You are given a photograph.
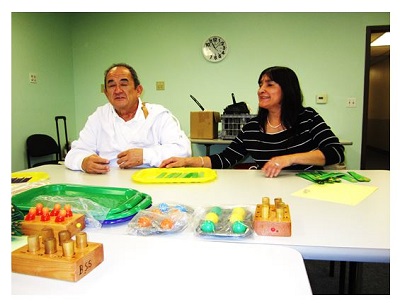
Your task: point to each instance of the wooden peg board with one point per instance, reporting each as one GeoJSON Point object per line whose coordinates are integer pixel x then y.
{"type": "Point", "coordinates": [272, 224]}
{"type": "Point", "coordinates": [73, 224]}
{"type": "Point", "coordinates": [56, 265]}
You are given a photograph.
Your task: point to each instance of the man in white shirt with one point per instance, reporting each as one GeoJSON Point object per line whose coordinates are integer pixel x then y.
{"type": "Point", "coordinates": [126, 132]}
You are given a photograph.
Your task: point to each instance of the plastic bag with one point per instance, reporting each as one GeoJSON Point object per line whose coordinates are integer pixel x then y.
{"type": "Point", "coordinates": [218, 221]}
{"type": "Point", "coordinates": [162, 219]}
{"type": "Point", "coordinates": [94, 213]}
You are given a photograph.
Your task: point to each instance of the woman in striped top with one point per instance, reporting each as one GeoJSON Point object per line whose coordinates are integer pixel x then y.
{"type": "Point", "coordinates": [283, 135]}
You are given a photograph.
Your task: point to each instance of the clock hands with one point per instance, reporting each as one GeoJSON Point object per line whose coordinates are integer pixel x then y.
{"type": "Point", "coordinates": [214, 46]}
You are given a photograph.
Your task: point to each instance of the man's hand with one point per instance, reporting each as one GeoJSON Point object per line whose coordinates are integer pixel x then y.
{"type": "Point", "coordinates": [95, 164]}
{"type": "Point", "coordinates": [130, 158]}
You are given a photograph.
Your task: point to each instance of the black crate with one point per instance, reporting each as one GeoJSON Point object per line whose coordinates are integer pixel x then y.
{"type": "Point", "coordinates": [232, 123]}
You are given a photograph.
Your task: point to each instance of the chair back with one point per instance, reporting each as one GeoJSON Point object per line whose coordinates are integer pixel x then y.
{"type": "Point", "coordinates": [42, 145]}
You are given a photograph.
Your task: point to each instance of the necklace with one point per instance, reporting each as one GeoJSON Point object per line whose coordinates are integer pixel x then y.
{"type": "Point", "coordinates": [269, 124]}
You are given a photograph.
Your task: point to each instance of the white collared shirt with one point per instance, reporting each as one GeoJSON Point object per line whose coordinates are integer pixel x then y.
{"type": "Point", "coordinates": [106, 134]}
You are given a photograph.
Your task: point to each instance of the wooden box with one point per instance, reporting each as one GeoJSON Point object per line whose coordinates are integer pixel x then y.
{"type": "Point", "coordinates": [73, 224]}
{"type": "Point", "coordinates": [204, 124]}
{"type": "Point", "coordinates": [58, 264]}
{"type": "Point", "coordinates": [272, 219]}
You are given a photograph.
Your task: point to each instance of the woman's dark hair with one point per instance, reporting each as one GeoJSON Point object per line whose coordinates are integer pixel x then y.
{"type": "Point", "coordinates": [131, 70]}
{"type": "Point", "coordinates": [292, 96]}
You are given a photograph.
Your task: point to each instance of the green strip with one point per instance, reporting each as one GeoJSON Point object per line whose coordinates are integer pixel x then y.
{"type": "Point", "coordinates": [359, 177]}
{"type": "Point", "coordinates": [161, 175]}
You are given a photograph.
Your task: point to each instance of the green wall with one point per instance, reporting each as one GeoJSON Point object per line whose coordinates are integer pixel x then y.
{"type": "Point", "coordinates": [41, 44]}
{"type": "Point", "coordinates": [70, 51]}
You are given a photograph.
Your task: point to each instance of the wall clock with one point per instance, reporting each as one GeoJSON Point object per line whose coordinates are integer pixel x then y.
{"type": "Point", "coordinates": [215, 49]}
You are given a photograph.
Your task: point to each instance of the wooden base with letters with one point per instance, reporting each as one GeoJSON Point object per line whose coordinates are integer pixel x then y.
{"type": "Point", "coordinates": [44, 257]}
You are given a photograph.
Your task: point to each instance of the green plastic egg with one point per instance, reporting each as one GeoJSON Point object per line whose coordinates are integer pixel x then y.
{"type": "Point", "coordinates": [239, 227]}
{"type": "Point", "coordinates": [207, 226]}
{"type": "Point", "coordinates": [217, 210]}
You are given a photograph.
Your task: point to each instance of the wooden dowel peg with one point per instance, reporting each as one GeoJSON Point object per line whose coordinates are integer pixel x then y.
{"type": "Point", "coordinates": [63, 235]}
{"type": "Point", "coordinates": [33, 243]}
{"type": "Point", "coordinates": [47, 232]}
{"type": "Point", "coordinates": [68, 248]}
{"type": "Point", "coordinates": [265, 200]}
{"type": "Point", "coordinates": [50, 246]}
{"type": "Point", "coordinates": [264, 211]}
{"type": "Point", "coordinates": [81, 240]}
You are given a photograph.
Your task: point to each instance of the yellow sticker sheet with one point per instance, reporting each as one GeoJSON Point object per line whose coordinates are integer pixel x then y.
{"type": "Point", "coordinates": [21, 177]}
{"type": "Point", "coordinates": [175, 175]}
{"type": "Point", "coordinates": [343, 193]}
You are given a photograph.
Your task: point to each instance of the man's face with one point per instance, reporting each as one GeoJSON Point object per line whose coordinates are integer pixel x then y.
{"type": "Point", "coordinates": [120, 88]}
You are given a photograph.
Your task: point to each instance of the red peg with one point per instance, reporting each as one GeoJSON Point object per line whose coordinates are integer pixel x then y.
{"type": "Point", "coordinates": [68, 210]}
{"type": "Point", "coordinates": [56, 210]}
{"type": "Point", "coordinates": [39, 208]}
{"type": "Point", "coordinates": [31, 215]}
{"type": "Point", "coordinates": [61, 216]}
{"type": "Point", "coordinates": [45, 215]}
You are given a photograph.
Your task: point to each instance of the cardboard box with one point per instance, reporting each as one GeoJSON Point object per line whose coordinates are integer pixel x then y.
{"type": "Point", "coordinates": [204, 124]}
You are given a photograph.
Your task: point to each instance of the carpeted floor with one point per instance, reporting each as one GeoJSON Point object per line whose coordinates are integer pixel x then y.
{"type": "Point", "coordinates": [375, 278]}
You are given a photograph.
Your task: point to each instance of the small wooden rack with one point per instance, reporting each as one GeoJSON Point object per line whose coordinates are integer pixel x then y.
{"type": "Point", "coordinates": [272, 219]}
{"type": "Point", "coordinates": [73, 224]}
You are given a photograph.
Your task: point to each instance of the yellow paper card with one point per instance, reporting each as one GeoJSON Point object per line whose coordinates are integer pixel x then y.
{"type": "Point", "coordinates": [343, 193]}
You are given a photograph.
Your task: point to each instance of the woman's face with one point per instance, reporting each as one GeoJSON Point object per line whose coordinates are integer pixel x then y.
{"type": "Point", "coordinates": [269, 94]}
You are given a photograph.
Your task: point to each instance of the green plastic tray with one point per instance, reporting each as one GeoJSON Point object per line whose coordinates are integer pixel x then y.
{"type": "Point", "coordinates": [122, 202]}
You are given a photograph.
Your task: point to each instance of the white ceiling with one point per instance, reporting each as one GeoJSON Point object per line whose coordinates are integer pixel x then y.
{"type": "Point", "coordinates": [378, 51]}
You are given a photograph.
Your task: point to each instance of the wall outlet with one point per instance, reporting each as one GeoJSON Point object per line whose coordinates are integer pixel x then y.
{"type": "Point", "coordinates": [321, 98]}
{"type": "Point", "coordinates": [351, 103]}
{"type": "Point", "coordinates": [32, 78]}
{"type": "Point", "coordinates": [160, 86]}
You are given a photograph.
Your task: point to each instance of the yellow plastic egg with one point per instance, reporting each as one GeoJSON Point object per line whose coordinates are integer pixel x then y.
{"type": "Point", "coordinates": [235, 217]}
{"type": "Point", "coordinates": [212, 216]}
{"type": "Point", "coordinates": [239, 210]}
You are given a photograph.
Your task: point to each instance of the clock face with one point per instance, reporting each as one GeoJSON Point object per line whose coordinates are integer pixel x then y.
{"type": "Point", "coordinates": [215, 49]}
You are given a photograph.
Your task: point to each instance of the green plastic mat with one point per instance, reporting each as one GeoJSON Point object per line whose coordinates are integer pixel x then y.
{"type": "Point", "coordinates": [322, 177]}
{"type": "Point", "coordinates": [118, 202]}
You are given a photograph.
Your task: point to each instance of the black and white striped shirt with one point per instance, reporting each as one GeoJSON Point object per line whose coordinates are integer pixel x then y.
{"type": "Point", "coordinates": [312, 134]}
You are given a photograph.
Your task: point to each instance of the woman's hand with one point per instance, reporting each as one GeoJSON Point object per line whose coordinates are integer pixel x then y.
{"type": "Point", "coordinates": [274, 166]}
{"type": "Point", "coordinates": [173, 162]}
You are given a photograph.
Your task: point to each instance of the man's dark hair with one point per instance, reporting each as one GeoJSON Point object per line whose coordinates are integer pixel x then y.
{"type": "Point", "coordinates": [131, 70]}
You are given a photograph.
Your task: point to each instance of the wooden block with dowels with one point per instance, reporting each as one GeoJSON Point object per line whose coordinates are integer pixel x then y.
{"type": "Point", "coordinates": [58, 219]}
{"type": "Point", "coordinates": [272, 219]}
{"type": "Point", "coordinates": [69, 260]}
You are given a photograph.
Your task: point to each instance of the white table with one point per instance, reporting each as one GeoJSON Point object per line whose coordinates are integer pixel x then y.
{"type": "Point", "coordinates": [321, 230]}
{"type": "Point", "coordinates": [160, 270]}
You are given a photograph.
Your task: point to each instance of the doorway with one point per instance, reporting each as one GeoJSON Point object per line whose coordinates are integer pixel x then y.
{"type": "Point", "coordinates": [375, 145]}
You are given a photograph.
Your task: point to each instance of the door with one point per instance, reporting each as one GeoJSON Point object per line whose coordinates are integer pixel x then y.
{"type": "Point", "coordinates": [375, 147]}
